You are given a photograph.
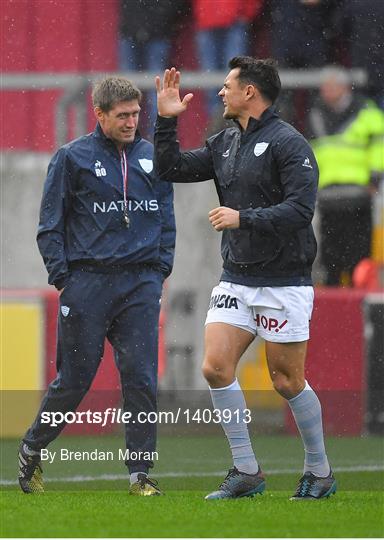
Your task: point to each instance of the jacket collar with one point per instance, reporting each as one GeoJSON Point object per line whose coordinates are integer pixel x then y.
{"type": "Point", "coordinates": [108, 143]}
{"type": "Point", "coordinates": [256, 123]}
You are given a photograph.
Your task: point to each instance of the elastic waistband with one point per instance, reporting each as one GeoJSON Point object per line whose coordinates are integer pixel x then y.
{"type": "Point", "coordinates": [100, 268]}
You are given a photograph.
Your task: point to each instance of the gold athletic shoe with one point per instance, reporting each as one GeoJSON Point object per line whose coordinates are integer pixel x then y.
{"type": "Point", "coordinates": [30, 472]}
{"type": "Point", "coordinates": [144, 487]}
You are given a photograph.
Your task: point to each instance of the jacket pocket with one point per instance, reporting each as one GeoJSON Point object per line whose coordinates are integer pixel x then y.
{"type": "Point", "coordinates": [69, 284]}
{"type": "Point", "coordinates": [249, 247]}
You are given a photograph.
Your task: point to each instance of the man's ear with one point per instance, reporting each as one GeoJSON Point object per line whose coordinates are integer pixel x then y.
{"type": "Point", "coordinates": [98, 113]}
{"type": "Point", "coordinates": [251, 91]}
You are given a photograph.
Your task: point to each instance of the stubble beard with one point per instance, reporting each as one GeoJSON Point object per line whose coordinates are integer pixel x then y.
{"type": "Point", "coordinates": [227, 115]}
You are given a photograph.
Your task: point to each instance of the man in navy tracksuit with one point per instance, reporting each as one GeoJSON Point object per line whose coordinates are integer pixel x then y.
{"type": "Point", "coordinates": [107, 237]}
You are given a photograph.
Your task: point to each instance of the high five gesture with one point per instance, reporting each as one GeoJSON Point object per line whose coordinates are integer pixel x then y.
{"type": "Point", "coordinates": [168, 94]}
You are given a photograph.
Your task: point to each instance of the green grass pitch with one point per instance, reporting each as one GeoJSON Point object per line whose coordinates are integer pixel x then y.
{"type": "Point", "coordinates": [90, 499]}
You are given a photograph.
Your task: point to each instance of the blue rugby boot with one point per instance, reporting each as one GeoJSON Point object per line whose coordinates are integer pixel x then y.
{"type": "Point", "coordinates": [238, 484]}
{"type": "Point", "coordinates": [311, 487]}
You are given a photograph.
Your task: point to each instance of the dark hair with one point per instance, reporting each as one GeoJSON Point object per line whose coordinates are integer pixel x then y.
{"type": "Point", "coordinates": [107, 92]}
{"type": "Point", "coordinates": [261, 73]}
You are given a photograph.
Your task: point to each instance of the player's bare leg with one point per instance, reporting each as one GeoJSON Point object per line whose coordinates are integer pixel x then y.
{"type": "Point", "coordinates": [286, 366]}
{"type": "Point", "coordinates": [224, 346]}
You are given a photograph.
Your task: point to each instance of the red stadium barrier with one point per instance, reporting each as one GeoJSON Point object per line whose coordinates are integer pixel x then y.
{"type": "Point", "coordinates": [335, 365]}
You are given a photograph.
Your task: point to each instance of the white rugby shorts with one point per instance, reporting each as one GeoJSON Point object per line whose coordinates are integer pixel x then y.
{"type": "Point", "coordinates": [278, 314]}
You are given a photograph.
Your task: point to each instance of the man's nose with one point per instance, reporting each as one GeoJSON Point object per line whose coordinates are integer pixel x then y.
{"type": "Point", "coordinates": [221, 93]}
{"type": "Point", "coordinates": [131, 122]}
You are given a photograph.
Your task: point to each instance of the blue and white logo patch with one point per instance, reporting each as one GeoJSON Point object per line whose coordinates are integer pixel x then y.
{"type": "Point", "coordinates": [260, 148]}
{"type": "Point", "coordinates": [65, 310]}
{"type": "Point", "coordinates": [146, 165]}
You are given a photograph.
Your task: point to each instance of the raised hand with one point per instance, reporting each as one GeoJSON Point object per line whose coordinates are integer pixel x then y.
{"type": "Point", "coordinates": [168, 94]}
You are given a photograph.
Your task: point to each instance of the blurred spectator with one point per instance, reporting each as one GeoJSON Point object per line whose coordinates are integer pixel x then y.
{"type": "Point", "coordinates": [146, 31]}
{"type": "Point", "coordinates": [364, 27]}
{"type": "Point", "coordinates": [302, 31]}
{"type": "Point", "coordinates": [349, 151]}
{"type": "Point", "coordinates": [222, 28]}
{"type": "Point", "coordinates": [335, 105]}
{"type": "Point", "coordinates": [303, 36]}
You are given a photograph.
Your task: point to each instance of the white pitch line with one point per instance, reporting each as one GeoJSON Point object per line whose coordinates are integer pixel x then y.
{"type": "Point", "coordinates": [110, 477]}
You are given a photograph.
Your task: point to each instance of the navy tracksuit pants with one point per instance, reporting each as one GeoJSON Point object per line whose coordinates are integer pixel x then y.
{"type": "Point", "coordinates": [124, 307]}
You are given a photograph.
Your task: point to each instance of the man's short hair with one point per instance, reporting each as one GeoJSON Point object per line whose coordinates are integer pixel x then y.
{"type": "Point", "coordinates": [261, 73]}
{"type": "Point", "coordinates": [111, 90]}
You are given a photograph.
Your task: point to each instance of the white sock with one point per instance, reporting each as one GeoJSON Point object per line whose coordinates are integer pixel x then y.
{"type": "Point", "coordinates": [133, 477]}
{"type": "Point", "coordinates": [231, 397]}
{"type": "Point", "coordinates": [306, 410]}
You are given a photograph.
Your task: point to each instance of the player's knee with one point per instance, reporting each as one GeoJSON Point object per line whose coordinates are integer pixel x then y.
{"type": "Point", "coordinates": [282, 385]}
{"type": "Point", "coordinates": [215, 374]}
{"type": "Point", "coordinates": [288, 387]}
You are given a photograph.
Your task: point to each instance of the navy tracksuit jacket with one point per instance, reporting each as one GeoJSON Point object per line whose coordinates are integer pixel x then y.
{"type": "Point", "coordinates": [269, 173]}
{"type": "Point", "coordinates": [112, 276]}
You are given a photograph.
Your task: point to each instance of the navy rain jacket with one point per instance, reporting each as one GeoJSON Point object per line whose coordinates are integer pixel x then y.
{"type": "Point", "coordinates": [269, 173]}
{"type": "Point", "coordinates": [81, 215]}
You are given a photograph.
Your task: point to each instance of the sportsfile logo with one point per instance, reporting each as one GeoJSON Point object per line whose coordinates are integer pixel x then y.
{"type": "Point", "coordinates": [223, 301]}
{"type": "Point", "coordinates": [99, 169]}
{"type": "Point", "coordinates": [269, 323]}
{"type": "Point", "coordinates": [133, 206]}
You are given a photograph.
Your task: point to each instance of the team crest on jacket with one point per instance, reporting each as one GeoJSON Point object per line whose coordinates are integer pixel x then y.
{"type": "Point", "coordinates": [260, 148]}
{"type": "Point", "coordinates": [146, 164]}
{"type": "Point", "coordinates": [65, 310]}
